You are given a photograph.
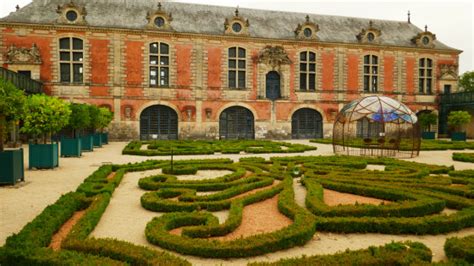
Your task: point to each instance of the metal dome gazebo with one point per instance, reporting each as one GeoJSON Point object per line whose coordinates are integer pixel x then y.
{"type": "Point", "coordinates": [376, 126]}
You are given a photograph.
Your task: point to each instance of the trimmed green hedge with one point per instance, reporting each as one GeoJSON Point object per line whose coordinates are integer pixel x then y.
{"type": "Point", "coordinates": [463, 157]}
{"type": "Point", "coordinates": [192, 147]}
{"type": "Point", "coordinates": [396, 253]}
{"type": "Point", "coordinates": [460, 248]}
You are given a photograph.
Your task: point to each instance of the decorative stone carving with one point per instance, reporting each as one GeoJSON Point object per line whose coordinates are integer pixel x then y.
{"type": "Point", "coordinates": [71, 13]}
{"type": "Point", "coordinates": [448, 72]}
{"type": "Point", "coordinates": [369, 35]}
{"type": "Point", "coordinates": [307, 30]}
{"type": "Point", "coordinates": [273, 56]}
{"type": "Point", "coordinates": [424, 39]}
{"type": "Point", "coordinates": [236, 25]}
{"type": "Point", "coordinates": [159, 19]}
{"type": "Point", "coordinates": [26, 56]}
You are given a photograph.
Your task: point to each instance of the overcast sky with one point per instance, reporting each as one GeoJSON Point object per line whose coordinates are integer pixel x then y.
{"type": "Point", "coordinates": [451, 21]}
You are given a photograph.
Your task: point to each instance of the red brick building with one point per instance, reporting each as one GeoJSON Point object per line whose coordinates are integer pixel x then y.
{"type": "Point", "coordinates": [177, 70]}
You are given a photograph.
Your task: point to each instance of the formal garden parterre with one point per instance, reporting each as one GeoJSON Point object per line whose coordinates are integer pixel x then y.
{"type": "Point", "coordinates": [417, 195]}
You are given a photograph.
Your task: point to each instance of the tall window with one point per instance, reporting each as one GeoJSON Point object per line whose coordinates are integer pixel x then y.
{"type": "Point", "coordinates": [307, 71]}
{"type": "Point", "coordinates": [237, 66]}
{"type": "Point", "coordinates": [71, 60]}
{"type": "Point", "coordinates": [371, 73]}
{"type": "Point", "coordinates": [159, 64]}
{"type": "Point", "coordinates": [425, 75]}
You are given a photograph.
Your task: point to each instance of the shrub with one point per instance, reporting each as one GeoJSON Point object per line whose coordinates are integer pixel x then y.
{"type": "Point", "coordinates": [463, 157]}
{"type": "Point", "coordinates": [460, 248]}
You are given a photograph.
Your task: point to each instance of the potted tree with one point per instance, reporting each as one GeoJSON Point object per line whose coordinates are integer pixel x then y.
{"type": "Point", "coordinates": [426, 121]}
{"type": "Point", "coordinates": [457, 119]}
{"type": "Point", "coordinates": [12, 101]}
{"type": "Point", "coordinates": [95, 114]}
{"type": "Point", "coordinates": [43, 117]}
{"type": "Point", "coordinates": [106, 116]}
{"type": "Point", "coordinates": [78, 121]}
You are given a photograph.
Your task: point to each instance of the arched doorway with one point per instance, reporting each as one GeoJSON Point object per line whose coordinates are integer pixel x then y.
{"type": "Point", "coordinates": [158, 122]}
{"type": "Point", "coordinates": [306, 123]}
{"type": "Point", "coordinates": [236, 123]}
{"type": "Point", "coordinates": [273, 85]}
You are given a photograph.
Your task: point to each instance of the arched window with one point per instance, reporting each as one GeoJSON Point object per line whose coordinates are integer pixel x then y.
{"type": "Point", "coordinates": [71, 60]}
{"type": "Point", "coordinates": [425, 76]}
{"type": "Point", "coordinates": [159, 64]}
{"type": "Point", "coordinates": [307, 71]}
{"type": "Point", "coordinates": [237, 67]}
{"type": "Point", "coordinates": [371, 73]}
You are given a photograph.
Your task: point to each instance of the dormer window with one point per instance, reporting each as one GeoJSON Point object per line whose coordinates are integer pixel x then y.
{"type": "Point", "coordinates": [159, 19]}
{"type": "Point", "coordinates": [369, 35]}
{"type": "Point", "coordinates": [306, 30]}
{"type": "Point", "coordinates": [236, 25]}
{"type": "Point", "coordinates": [160, 22]}
{"type": "Point", "coordinates": [71, 15]}
{"type": "Point", "coordinates": [424, 39]}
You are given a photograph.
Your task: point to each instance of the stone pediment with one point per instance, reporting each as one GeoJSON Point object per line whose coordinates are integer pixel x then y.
{"type": "Point", "coordinates": [448, 72]}
{"type": "Point", "coordinates": [20, 55]}
{"type": "Point", "coordinates": [273, 56]}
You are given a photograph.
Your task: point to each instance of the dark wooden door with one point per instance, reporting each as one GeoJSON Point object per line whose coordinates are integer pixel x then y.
{"type": "Point", "coordinates": [158, 122]}
{"type": "Point", "coordinates": [273, 86]}
{"type": "Point", "coordinates": [306, 124]}
{"type": "Point", "coordinates": [236, 123]}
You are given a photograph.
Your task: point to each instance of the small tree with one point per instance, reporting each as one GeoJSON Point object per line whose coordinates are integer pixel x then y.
{"type": "Point", "coordinates": [44, 116]}
{"type": "Point", "coordinates": [427, 120]}
{"type": "Point", "coordinates": [457, 119]}
{"type": "Point", "coordinates": [105, 117]}
{"type": "Point", "coordinates": [12, 101]}
{"type": "Point", "coordinates": [466, 81]}
{"type": "Point", "coordinates": [94, 113]}
{"type": "Point", "coordinates": [80, 117]}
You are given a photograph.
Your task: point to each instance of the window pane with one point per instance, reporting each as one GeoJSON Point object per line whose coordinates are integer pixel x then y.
{"type": "Point", "coordinates": [366, 59]}
{"type": "Point", "coordinates": [153, 60]}
{"type": "Point", "coordinates": [366, 83]}
{"type": "Point", "coordinates": [164, 76]}
{"type": "Point", "coordinates": [154, 48]}
{"type": "Point", "coordinates": [429, 63]}
{"type": "Point", "coordinates": [374, 59]}
{"type": "Point", "coordinates": [76, 44]}
{"type": "Point", "coordinates": [64, 43]}
{"type": "Point", "coordinates": [422, 62]}
{"type": "Point", "coordinates": [241, 79]}
{"type": "Point", "coordinates": [242, 64]}
{"type": "Point", "coordinates": [312, 67]}
{"type": "Point", "coordinates": [375, 70]}
{"type": "Point", "coordinates": [65, 73]}
{"type": "Point", "coordinates": [421, 87]}
{"type": "Point", "coordinates": [232, 63]}
{"type": "Point", "coordinates": [302, 81]}
{"type": "Point", "coordinates": [64, 56]}
{"type": "Point", "coordinates": [232, 79]}
{"type": "Point", "coordinates": [303, 67]}
{"type": "Point", "coordinates": [374, 84]}
{"type": "Point", "coordinates": [153, 71]}
{"type": "Point", "coordinates": [232, 52]}
{"type": "Point", "coordinates": [312, 82]}
{"type": "Point", "coordinates": [164, 60]}
{"type": "Point", "coordinates": [429, 73]}
{"type": "Point", "coordinates": [77, 68]}
{"type": "Point", "coordinates": [241, 52]}
{"type": "Point", "coordinates": [303, 56]}
{"type": "Point", "coordinates": [77, 57]}
{"type": "Point", "coordinates": [312, 56]}
{"type": "Point", "coordinates": [428, 85]}
{"type": "Point", "coordinates": [366, 69]}
{"type": "Point", "coordinates": [421, 72]}
{"type": "Point", "coordinates": [164, 48]}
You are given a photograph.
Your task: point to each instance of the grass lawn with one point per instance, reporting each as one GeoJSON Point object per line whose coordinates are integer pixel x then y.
{"type": "Point", "coordinates": [188, 147]}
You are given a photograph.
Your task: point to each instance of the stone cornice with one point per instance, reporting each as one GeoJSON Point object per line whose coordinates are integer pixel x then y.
{"type": "Point", "coordinates": [311, 43]}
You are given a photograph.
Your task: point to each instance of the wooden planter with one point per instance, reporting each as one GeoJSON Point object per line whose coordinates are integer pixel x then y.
{"type": "Point", "coordinates": [97, 139]}
{"type": "Point", "coordinates": [428, 135]}
{"type": "Point", "coordinates": [71, 147]}
{"type": "Point", "coordinates": [458, 136]}
{"type": "Point", "coordinates": [87, 143]}
{"type": "Point", "coordinates": [12, 167]}
{"type": "Point", "coordinates": [105, 138]}
{"type": "Point", "coordinates": [43, 156]}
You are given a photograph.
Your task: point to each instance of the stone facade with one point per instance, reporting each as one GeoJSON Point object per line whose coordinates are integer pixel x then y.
{"type": "Point", "coordinates": [116, 74]}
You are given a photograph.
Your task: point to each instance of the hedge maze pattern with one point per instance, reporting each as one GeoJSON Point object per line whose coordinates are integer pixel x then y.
{"type": "Point", "coordinates": [417, 194]}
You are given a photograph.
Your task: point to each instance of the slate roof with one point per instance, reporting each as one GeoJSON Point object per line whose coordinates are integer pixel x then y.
{"type": "Point", "coordinates": [206, 19]}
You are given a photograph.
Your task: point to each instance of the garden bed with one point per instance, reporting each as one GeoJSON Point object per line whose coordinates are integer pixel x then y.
{"type": "Point", "coordinates": [190, 147]}
{"type": "Point", "coordinates": [463, 157]}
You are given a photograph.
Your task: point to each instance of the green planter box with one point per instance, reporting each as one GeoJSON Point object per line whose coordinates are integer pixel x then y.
{"type": "Point", "coordinates": [105, 138]}
{"type": "Point", "coordinates": [71, 147]}
{"type": "Point", "coordinates": [11, 167]}
{"type": "Point", "coordinates": [428, 135]}
{"type": "Point", "coordinates": [458, 136]}
{"type": "Point", "coordinates": [97, 139]}
{"type": "Point", "coordinates": [43, 156]}
{"type": "Point", "coordinates": [87, 143]}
